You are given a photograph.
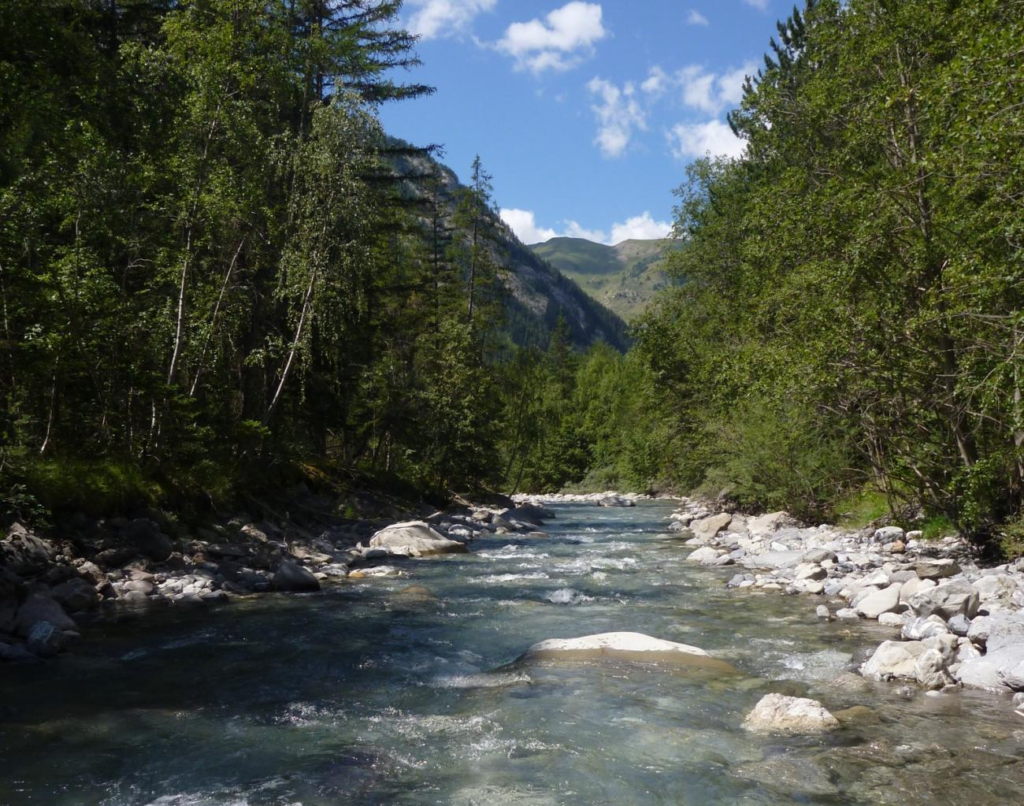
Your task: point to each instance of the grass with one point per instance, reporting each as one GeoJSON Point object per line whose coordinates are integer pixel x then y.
{"type": "Point", "coordinates": [862, 508]}
{"type": "Point", "coordinates": [937, 527]}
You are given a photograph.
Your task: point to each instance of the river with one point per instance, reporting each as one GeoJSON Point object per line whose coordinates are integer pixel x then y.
{"type": "Point", "coordinates": [373, 693]}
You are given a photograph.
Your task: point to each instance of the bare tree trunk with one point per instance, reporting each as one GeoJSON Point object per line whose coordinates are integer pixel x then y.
{"type": "Point", "coordinates": [294, 349]}
{"type": "Point", "coordinates": [213, 318]}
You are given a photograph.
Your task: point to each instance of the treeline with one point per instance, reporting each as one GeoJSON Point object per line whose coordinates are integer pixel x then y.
{"type": "Point", "coordinates": [851, 313]}
{"type": "Point", "coordinates": [214, 264]}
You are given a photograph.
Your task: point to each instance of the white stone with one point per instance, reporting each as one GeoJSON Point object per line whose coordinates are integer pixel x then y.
{"type": "Point", "coordinates": [629, 646]}
{"type": "Point", "coordinates": [776, 713]}
{"type": "Point", "coordinates": [894, 660]}
{"type": "Point", "coordinates": [414, 539]}
{"type": "Point", "coordinates": [883, 601]}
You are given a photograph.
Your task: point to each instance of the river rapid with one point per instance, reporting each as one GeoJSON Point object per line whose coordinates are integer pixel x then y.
{"type": "Point", "coordinates": [405, 691]}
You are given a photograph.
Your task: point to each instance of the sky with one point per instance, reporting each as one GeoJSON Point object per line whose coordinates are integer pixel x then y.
{"type": "Point", "coordinates": [584, 113]}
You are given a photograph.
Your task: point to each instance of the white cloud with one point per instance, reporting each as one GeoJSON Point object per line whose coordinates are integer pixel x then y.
{"type": "Point", "coordinates": [618, 115]}
{"type": "Point", "coordinates": [641, 227]}
{"type": "Point", "coordinates": [524, 225]}
{"type": "Point", "coordinates": [695, 140]}
{"type": "Point", "coordinates": [710, 92]}
{"type": "Point", "coordinates": [437, 19]}
{"type": "Point", "coordinates": [558, 42]}
{"type": "Point", "coordinates": [696, 18]}
{"type": "Point", "coordinates": [761, 4]}
{"type": "Point", "coordinates": [656, 83]}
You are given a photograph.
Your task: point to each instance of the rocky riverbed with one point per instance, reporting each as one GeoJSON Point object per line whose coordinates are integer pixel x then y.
{"type": "Point", "coordinates": [954, 623]}
{"type": "Point", "coordinates": [584, 659]}
{"type": "Point", "coordinates": [54, 585]}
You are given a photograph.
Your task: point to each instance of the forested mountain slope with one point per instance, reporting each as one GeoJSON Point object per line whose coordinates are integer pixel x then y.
{"type": "Point", "coordinates": [624, 277]}
{"type": "Point", "coordinates": [536, 293]}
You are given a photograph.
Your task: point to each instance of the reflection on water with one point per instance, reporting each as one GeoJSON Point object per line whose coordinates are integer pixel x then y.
{"type": "Point", "coordinates": [404, 691]}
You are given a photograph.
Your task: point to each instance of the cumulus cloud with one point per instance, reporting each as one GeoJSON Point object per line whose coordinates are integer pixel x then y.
{"type": "Point", "coordinates": [618, 114]}
{"type": "Point", "coordinates": [694, 140]}
{"type": "Point", "coordinates": [656, 83]}
{"type": "Point", "coordinates": [710, 92]}
{"type": "Point", "coordinates": [524, 225]}
{"type": "Point", "coordinates": [641, 227]}
{"type": "Point", "coordinates": [558, 42]}
{"type": "Point", "coordinates": [437, 19]}
{"type": "Point", "coordinates": [696, 18]}
{"type": "Point", "coordinates": [761, 4]}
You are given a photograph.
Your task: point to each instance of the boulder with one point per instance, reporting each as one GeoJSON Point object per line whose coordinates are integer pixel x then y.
{"type": "Point", "coordinates": [45, 640]}
{"type": "Point", "coordinates": [704, 556]}
{"type": "Point", "coordinates": [529, 513]}
{"type": "Point", "coordinates": [888, 534]}
{"type": "Point", "coordinates": [23, 552]}
{"type": "Point", "coordinates": [776, 713]}
{"type": "Point", "coordinates": [624, 646]}
{"type": "Point", "coordinates": [892, 620]}
{"type": "Point", "coordinates": [707, 528]}
{"type": "Point", "coordinates": [996, 669]}
{"type": "Point", "coordinates": [894, 660]}
{"type": "Point", "coordinates": [41, 608]}
{"type": "Point", "coordinates": [811, 571]}
{"type": "Point", "coordinates": [995, 587]}
{"type": "Point", "coordinates": [936, 569]}
{"type": "Point", "coordinates": [818, 556]}
{"type": "Point", "coordinates": [766, 524]}
{"type": "Point", "coordinates": [930, 670]}
{"type": "Point", "coordinates": [414, 539]}
{"type": "Point", "coordinates": [616, 501]}
{"type": "Point", "coordinates": [822, 612]}
{"type": "Point", "coordinates": [946, 600]}
{"type": "Point", "coordinates": [147, 538]}
{"type": "Point", "coordinates": [919, 629]}
{"type": "Point", "coordinates": [959, 625]}
{"type": "Point", "coordinates": [773, 560]}
{"type": "Point", "coordinates": [76, 595]}
{"type": "Point", "coordinates": [914, 585]}
{"type": "Point", "coordinates": [294, 578]}
{"type": "Point", "coordinates": [886, 600]}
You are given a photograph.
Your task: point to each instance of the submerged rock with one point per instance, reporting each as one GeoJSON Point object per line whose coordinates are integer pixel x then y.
{"type": "Point", "coordinates": [627, 646]}
{"type": "Point", "coordinates": [294, 578]}
{"type": "Point", "coordinates": [414, 539]}
{"type": "Point", "coordinates": [776, 713]}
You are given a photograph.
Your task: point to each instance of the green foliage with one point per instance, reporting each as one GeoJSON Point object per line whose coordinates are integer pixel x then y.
{"type": "Point", "coordinates": [862, 507]}
{"type": "Point", "coordinates": [861, 264]}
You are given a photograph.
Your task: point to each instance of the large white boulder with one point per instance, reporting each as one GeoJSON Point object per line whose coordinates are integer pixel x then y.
{"type": "Point", "coordinates": [706, 528]}
{"type": "Point", "coordinates": [886, 600]}
{"type": "Point", "coordinates": [414, 539]}
{"type": "Point", "coordinates": [776, 713]}
{"type": "Point", "coordinates": [946, 600]}
{"type": "Point", "coordinates": [894, 660]}
{"type": "Point", "coordinates": [704, 556]}
{"type": "Point", "coordinates": [628, 646]}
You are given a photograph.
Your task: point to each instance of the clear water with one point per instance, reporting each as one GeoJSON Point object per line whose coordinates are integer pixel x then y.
{"type": "Point", "coordinates": [367, 695]}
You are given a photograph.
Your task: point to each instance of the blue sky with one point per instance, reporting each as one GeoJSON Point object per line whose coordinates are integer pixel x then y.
{"type": "Point", "coordinates": [586, 113]}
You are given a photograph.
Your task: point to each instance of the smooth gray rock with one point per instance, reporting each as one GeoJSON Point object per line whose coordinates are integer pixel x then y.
{"type": "Point", "coordinates": [959, 625]}
{"type": "Point", "coordinates": [707, 528]}
{"type": "Point", "coordinates": [888, 534]}
{"type": "Point", "coordinates": [76, 595]}
{"type": "Point", "coordinates": [415, 539]}
{"type": "Point", "coordinates": [937, 569]}
{"type": "Point", "coordinates": [883, 601]}
{"type": "Point", "coordinates": [529, 513]}
{"type": "Point", "coordinates": [823, 613]}
{"type": "Point", "coordinates": [946, 600]}
{"type": "Point", "coordinates": [147, 538]}
{"type": "Point", "coordinates": [294, 578]}
{"type": "Point", "coordinates": [774, 560]}
{"type": "Point", "coordinates": [41, 608]}
{"type": "Point", "coordinates": [704, 556]}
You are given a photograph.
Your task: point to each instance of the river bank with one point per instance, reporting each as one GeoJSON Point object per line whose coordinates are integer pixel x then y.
{"type": "Point", "coordinates": [53, 585]}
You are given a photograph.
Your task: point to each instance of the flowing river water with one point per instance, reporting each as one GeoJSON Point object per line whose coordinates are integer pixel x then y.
{"type": "Point", "coordinates": [373, 693]}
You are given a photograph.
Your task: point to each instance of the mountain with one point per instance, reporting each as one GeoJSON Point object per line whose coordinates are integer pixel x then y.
{"type": "Point", "coordinates": [623, 278]}
{"type": "Point", "coordinates": [536, 292]}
